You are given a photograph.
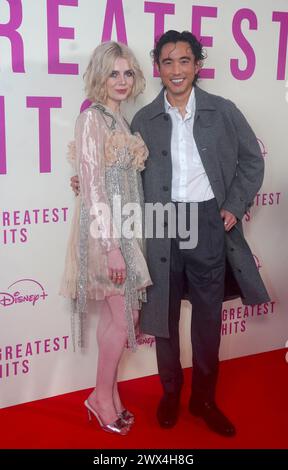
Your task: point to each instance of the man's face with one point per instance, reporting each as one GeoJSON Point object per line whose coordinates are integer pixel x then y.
{"type": "Point", "coordinates": [177, 68]}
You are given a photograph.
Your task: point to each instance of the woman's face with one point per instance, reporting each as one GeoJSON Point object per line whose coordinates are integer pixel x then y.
{"type": "Point", "coordinates": [119, 84]}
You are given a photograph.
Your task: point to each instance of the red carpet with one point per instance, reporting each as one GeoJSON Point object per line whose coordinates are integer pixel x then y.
{"type": "Point", "coordinates": [253, 392]}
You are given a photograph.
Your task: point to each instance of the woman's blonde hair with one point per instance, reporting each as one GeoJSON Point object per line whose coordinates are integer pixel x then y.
{"type": "Point", "coordinates": [101, 65]}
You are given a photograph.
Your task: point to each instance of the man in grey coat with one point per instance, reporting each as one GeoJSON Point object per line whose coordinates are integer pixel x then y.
{"type": "Point", "coordinates": [201, 151]}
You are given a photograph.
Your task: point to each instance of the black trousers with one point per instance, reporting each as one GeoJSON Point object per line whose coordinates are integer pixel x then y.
{"type": "Point", "coordinates": [200, 272]}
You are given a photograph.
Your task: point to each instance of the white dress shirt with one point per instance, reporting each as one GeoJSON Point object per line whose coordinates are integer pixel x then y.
{"type": "Point", "coordinates": [189, 180]}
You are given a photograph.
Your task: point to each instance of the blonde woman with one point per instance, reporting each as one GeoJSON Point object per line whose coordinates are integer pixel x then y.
{"type": "Point", "coordinates": [102, 263]}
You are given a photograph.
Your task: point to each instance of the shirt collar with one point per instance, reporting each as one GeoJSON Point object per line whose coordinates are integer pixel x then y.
{"type": "Point", "coordinates": [190, 107]}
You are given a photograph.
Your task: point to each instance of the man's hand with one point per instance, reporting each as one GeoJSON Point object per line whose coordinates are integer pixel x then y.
{"type": "Point", "coordinates": [229, 219]}
{"type": "Point", "coordinates": [74, 183]}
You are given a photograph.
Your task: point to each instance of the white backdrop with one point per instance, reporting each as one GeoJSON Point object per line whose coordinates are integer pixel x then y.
{"type": "Point", "coordinates": [44, 49]}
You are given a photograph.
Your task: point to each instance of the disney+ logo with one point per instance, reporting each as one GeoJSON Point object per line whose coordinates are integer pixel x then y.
{"type": "Point", "coordinates": [23, 291]}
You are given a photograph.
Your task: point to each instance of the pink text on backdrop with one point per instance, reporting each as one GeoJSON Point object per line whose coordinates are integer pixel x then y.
{"type": "Point", "coordinates": [244, 14]}
{"type": "Point", "coordinates": [2, 137]}
{"type": "Point", "coordinates": [160, 10]}
{"type": "Point", "coordinates": [54, 34]}
{"type": "Point", "coordinates": [198, 13]}
{"type": "Point", "coordinates": [282, 17]}
{"type": "Point", "coordinates": [115, 13]}
{"type": "Point", "coordinates": [44, 104]}
{"type": "Point", "coordinates": [114, 9]}
{"type": "Point", "coordinates": [9, 30]}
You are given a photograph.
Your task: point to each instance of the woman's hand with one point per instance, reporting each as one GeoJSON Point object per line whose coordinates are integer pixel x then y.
{"type": "Point", "coordinates": [116, 266]}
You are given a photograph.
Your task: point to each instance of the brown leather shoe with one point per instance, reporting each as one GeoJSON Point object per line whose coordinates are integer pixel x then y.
{"type": "Point", "coordinates": [168, 410]}
{"type": "Point", "coordinates": [213, 417]}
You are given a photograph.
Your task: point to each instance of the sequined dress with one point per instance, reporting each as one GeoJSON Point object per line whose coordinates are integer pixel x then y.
{"type": "Point", "coordinates": [108, 214]}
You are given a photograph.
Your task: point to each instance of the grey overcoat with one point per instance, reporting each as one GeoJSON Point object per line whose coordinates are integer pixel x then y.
{"type": "Point", "coordinates": [234, 165]}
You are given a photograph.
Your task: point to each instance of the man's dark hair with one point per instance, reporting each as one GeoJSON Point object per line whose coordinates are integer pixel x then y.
{"type": "Point", "coordinates": [176, 36]}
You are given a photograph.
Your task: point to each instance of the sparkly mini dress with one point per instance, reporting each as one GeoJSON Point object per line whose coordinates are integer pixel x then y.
{"type": "Point", "coordinates": [108, 214]}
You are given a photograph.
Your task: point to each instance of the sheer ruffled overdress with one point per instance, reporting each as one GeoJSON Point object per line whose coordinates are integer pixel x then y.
{"type": "Point", "coordinates": [108, 160]}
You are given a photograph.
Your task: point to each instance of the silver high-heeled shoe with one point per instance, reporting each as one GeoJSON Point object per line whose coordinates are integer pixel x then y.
{"type": "Point", "coordinates": [126, 416]}
{"type": "Point", "coordinates": [117, 427]}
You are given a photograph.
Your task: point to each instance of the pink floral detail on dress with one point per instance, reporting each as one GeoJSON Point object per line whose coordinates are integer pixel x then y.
{"type": "Point", "coordinates": [126, 148]}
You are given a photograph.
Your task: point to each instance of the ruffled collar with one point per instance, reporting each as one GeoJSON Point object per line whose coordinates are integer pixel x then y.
{"type": "Point", "coordinates": [126, 150]}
